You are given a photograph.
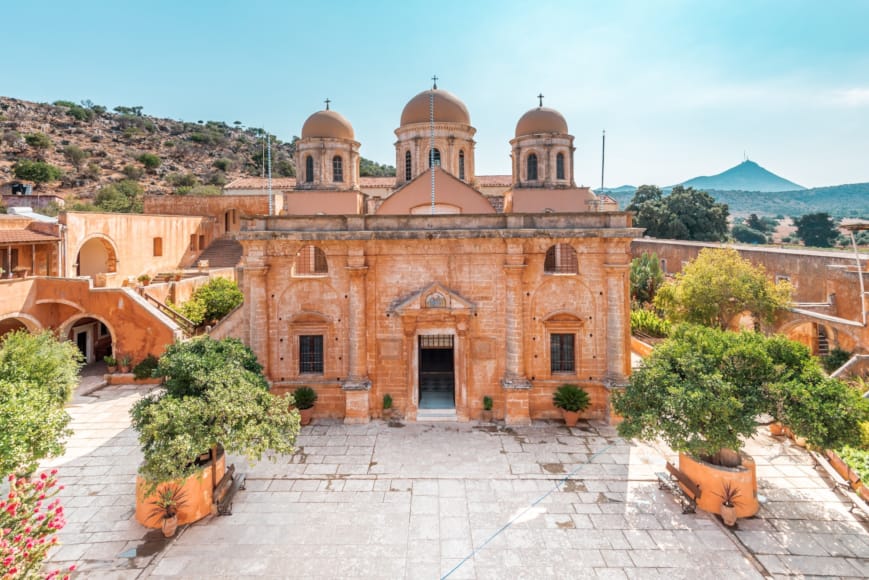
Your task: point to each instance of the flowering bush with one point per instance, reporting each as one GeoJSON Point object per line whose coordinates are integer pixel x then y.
{"type": "Point", "coordinates": [29, 517]}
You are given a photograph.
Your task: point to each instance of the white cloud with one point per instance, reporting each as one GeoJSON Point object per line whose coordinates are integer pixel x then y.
{"type": "Point", "coordinates": [855, 97]}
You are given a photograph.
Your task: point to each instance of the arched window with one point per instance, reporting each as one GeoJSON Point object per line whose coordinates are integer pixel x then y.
{"type": "Point", "coordinates": [462, 165]}
{"type": "Point", "coordinates": [559, 166]}
{"type": "Point", "coordinates": [310, 261]}
{"type": "Point", "coordinates": [532, 167]}
{"type": "Point", "coordinates": [309, 169]}
{"type": "Point", "coordinates": [337, 168]}
{"type": "Point", "coordinates": [435, 155]}
{"type": "Point", "coordinates": [561, 259]}
{"type": "Point", "coordinates": [407, 167]}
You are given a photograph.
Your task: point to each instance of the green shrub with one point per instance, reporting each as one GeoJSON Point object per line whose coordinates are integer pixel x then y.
{"type": "Point", "coordinates": [571, 398]}
{"type": "Point", "coordinates": [222, 164]}
{"type": "Point", "coordinates": [75, 155]}
{"type": "Point", "coordinates": [149, 160]}
{"type": "Point", "coordinates": [387, 401]}
{"type": "Point", "coordinates": [133, 172]}
{"type": "Point", "coordinates": [122, 197]}
{"type": "Point", "coordinates": [649, 323]}
{"type": "Point", "coordinates": [835, 359]}
{"type": "Point", "coordinates": [747, 235]}
{"type": "Point", "coordinates": [205, 190]}
{"type": "Point", "coordinates": [146, 368]}
{"type": "Point", "coordinates": [857, 459]}
{"type": "Point", "coordinates": [38, 140]}
{"type": "Point", "coordinates": [182, 179]}
{"type": "Point", "coordinates": [487, 403]}
{"type": "Point", "coordinates": [305, 397]}
{"type": "Point", "coordinates": [212, 301]}
{"type": "Point", "coordinates": [38, 171]}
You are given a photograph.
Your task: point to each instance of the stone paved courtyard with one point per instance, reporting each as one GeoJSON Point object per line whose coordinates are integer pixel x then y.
{"type": "Point", "coordinates": [451, 500]}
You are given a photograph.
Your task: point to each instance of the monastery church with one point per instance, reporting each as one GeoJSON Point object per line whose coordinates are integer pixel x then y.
{"type": "Point", "coordinates": [437, 294]}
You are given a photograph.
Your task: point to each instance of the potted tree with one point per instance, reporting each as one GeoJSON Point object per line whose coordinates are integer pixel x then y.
{"type": "Point", "coordinates": [214, 398]}
{"type": "Point", "coordinates": [305, 397]}
{"type": "Point", "coordinates": [144, 279]}
{"type": "Point", "coordinates": [387, 407]}
{"type": "Point", "coordinates": [111, 363]}
{"type": "Point", "coordinates": [702, 390]}
{"type": "Point", "coordinates": [167, 502]}
{"type": "Point", "coordinates": [486, 413]}
{"type": "Point", "coordinates": [572, 400]}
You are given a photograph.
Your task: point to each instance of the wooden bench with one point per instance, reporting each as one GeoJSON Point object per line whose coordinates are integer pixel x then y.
{"type": "Point", "coordinates": [688, 495]}
{"type": "Point", "coordinates": [226, 490]}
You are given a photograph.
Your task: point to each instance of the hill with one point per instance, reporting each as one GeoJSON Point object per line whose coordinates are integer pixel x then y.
{"type": "Point", "coordinates": [94, 147]}
{"type": "Point", "coordinates": [849, 200]}
{"type": "Point", "coordinates": [747, 176]}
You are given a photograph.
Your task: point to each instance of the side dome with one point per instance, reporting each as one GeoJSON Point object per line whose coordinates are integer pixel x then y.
{"type": "Point", "coordinates": [447, 109]}
{"type": "Point", "coordinates": [327, 124]}
{"type": "Point", "coordinates": [541, 120]}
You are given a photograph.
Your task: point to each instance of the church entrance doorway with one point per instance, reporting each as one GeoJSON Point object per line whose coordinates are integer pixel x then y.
{"type": "Point", "coordinates": [437, 372]}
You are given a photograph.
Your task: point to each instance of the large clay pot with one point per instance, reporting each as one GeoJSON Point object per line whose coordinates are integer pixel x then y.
{"type": "Point", "coordinates": [570, 417]}
{"type": "Point", "coordinates": [711, 479]}
{"type": "Point", "coordinates": [776, 429]}
{"type": "Point", "coordinates": [306, 415]}
{"type": "Point", "coordinates": [486, 416]}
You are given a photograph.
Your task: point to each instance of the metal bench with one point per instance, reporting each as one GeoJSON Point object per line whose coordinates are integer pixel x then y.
{"type": "Point", "coordinates": [687, 495]}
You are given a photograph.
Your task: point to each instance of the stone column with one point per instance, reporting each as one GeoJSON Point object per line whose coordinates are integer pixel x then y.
{"type": "Point", "coordinates": [516, 386]}
{"type": "Point", "coordinates": [617, 325]}
{"type": "Point", "coordinates": [357, 385]}
{"type": "Point", "coordinates": [258, 313]}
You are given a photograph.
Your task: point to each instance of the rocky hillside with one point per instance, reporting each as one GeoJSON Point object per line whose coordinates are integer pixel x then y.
{"type": "Point", "coordinates": [91, 148]}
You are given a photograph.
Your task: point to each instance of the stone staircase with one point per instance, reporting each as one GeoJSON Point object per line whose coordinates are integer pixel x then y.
{"type": "Point", "coordinates": [222, 253]}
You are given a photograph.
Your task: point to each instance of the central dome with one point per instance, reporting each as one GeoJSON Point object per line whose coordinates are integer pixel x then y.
{"type": "Point", "coordinates": [447, 109]}
{"type": "Point", "coordinates": [541, 120]}
{"type": "Point", "coordinates": [327, 124]}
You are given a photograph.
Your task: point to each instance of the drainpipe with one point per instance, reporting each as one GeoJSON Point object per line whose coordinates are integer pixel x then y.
{"type": "Point", "coordinates": [859, 277]}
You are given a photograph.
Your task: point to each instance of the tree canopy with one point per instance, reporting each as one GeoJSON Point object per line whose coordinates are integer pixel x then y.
{"type": "Point", "coordinates": [646, 277]}
{"type": "Point", "coordinates": [215, 395]}
{"type": "Point", "coordinates": [37, 375]}
{"type": "Point", "coordinates": [702, 389]}
{"type": "Point", "coordinates": [716, 286]}
{"type": "Point", "coordinates": [816, 229]}
{"type": "Point", "coordinates": [122, 197]}
{"type": "Point", "coordinates": [38, 171]}
{"type": "Point", "coordinates": [684, 214]}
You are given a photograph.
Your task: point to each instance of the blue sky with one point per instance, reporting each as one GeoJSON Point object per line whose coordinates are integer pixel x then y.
{"type": "Point", "coordinates": [681, 88]}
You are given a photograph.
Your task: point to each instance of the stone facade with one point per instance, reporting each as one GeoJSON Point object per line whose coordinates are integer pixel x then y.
{"type": "Point", "coordinates": [479, 280]}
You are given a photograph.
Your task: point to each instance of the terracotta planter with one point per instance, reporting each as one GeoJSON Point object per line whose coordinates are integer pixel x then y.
{"type": "Point", "coordinates": [198, 490]}
{"type": "Point", "coordinates": [800, 441]}
{"type": "Point", "coordinates": [776, 429]}
{"type": "Point", "coordinates": [728, 514]}
{"type": "Point", "coordinates": [306, 415]}
{"type": "Point", "coordinates": [386, 414]}
{"type": "Point", "coordinates": [711, 479]}
{"type": "Point", "coordinates": [863, 491]}
{"type": "Point", "coordinates": [486, 416]}
{"type": "Point", "coordinates": [112, 370]}
{"type": "Point", "coordinates": [570, 417]}
{"type": "Point", "coordinates": [169, 525]}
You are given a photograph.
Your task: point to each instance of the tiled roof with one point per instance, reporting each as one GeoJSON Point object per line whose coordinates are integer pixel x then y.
{"type": "Point", "coordinates": [494, 180]}
{"type": "Point", "coordinates": [24, 237]}
{"type": "Point", "coordinates": [290, 182]}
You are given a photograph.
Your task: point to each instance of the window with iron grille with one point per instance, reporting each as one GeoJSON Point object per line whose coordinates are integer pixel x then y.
{"type": "Point", "coordinates": [562, 358]}
{"type": "Point", "coordinates": [309, 169]}
{"type": "Point", "coordinates": [462, 165]}
{"type": "Point", "coordinates": [561, 259]}
{"type": "Point", "coordinates": [559, 166]}
{"type": "Point", "coordinates": [310, 261]}
{"type": "Point", "coordinates": [434, 156]}
{"type": "Point", "coordinates": [532, 167]}
{"type": "Point", "coordinates": [337, 168]}
{"type": "Point", "coordinates": [408, 174]}
{"type": "Point", "coordinates": [311, 353]}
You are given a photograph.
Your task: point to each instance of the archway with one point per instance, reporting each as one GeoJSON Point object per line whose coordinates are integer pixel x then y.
{"type": "Point", "coordinates": [92, 336]}
{"type": "Point", "coordinates": [18, 321]}
{"type": "Point", "coordinates": [97, 255]}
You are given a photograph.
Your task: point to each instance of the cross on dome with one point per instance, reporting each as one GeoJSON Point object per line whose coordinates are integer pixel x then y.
{"type": "Point", "coordinates": [434, 82]}
{"type": "Point", "coordinates": [540, 96]}
{"type": "Point", "coordinates": [327, 101]}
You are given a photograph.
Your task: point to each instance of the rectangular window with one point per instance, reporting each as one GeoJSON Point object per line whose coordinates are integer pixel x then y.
{"type": "Point", "coordinates": [782, 278]}
{"type": "Point", "coordinates": [192, 242]}
{"type": "Point", "coordinates": [158, 247]}
{"type": "Point", "coordinates": [201, 242]}
{"type": "Point", "coordinates": [561, 353]}
{"type": "Point", "coordinates": [311, 353]}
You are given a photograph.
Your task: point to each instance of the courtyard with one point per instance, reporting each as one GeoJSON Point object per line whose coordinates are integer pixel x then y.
{"type": "Point", "coordinates": [449, 500]}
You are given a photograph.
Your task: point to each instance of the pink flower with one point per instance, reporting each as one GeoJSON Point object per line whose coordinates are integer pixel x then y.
{"type": "Point", "coordinates": [54, 471]}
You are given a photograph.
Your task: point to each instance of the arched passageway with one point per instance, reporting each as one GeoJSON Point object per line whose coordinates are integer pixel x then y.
{"type": "Point", "coordinates": [96, 256]}
{"type": "Point", "coordinates": [93, 338]}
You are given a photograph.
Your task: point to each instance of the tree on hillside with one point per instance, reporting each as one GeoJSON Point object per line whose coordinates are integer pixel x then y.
{"type": "Point", "coordinates": [75, 155]}
{"type": "Point", "coordinates": [149, 160]}
{"type": "Point", "coordinates": [39, 141]}
{"type": "Point", "coordinates": [38, 171]}
{"type": "Point", "coordinates": [747, 235]}
{"type": "Point", "coordinates": [816, 229]}
{"type": "Point", "coordinates": [37, 375]}
{"type": "Point", "coordinates": [684, 214]}
{"type": "Point", "coordinates": [718, 285]}
{"type": "Point", "coordinates": [122, 197]}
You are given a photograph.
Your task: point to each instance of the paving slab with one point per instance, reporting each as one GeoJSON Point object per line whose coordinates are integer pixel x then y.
{"type": "Point", "coordinates": [449, 500]}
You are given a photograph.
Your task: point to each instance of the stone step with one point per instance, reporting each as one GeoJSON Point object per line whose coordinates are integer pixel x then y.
{"type": "Point", "coordinates": [435, 415]}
